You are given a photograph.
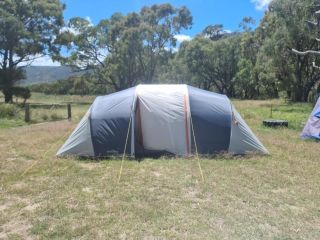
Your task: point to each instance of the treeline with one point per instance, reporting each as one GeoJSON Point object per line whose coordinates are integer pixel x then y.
{"type": "Point", "coordinates": [140, 47]}
{"type": "Point", "coordinates": [76, 85]}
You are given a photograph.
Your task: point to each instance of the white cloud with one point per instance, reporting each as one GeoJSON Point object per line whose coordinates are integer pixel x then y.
{"type": "Point", "coordinates": [89, 20]}
{"type": "Point", "coordinates": [227, 31]}
{"type": "Point", "coordinates": [181, 37]}
{"type": "Point", "coordinates": [261, 4]}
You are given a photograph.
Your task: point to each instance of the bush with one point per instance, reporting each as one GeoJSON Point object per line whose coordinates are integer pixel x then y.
{"type": "Point", "coordinates": [55, 117]}
{"type": "Point", "coordinates": [22, 92]}
{"type": "Point", "coordinates": [44, 117]}
{"type": "Point", "coordinates": [8, 110]}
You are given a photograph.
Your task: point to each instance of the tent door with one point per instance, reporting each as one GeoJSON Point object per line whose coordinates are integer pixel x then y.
{"type": "Point", "coordinates": [162, 123]}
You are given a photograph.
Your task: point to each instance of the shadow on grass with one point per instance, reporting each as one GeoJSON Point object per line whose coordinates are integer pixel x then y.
{"type": "Point", "coordinates": [171, 157]}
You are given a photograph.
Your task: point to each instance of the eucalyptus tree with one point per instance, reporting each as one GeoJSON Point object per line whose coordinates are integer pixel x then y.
{"type": "Point", "coordinates": [213, 64]}
{"type": "Point", "coordinates": [28, 29]}
{"type": "Point", "coordinates": [283, 27]}
{"type": "Point", "coordinates": [213, 32]}
{"type": "Point", "coordinates": [125, 50]}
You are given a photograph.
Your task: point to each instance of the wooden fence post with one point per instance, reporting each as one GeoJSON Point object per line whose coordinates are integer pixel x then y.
{"type": "Point", "coordinates": [27, 113]}
{"type": "Point", "coordinates": [69, 111]}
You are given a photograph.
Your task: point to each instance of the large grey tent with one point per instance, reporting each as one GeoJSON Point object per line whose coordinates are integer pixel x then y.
{"type": "Point", "coordinates": [157, 119]}
{"type": "Point", "coordinates": [312, 127]}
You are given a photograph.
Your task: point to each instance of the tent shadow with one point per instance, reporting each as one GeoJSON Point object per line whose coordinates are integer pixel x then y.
{"type": "Point", "coordinates": [168, 156]}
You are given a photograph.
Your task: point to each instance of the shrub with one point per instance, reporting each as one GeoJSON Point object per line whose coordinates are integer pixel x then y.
{"type": "Point", "coordinates": [55, 117]}
{"type": "Point", "coordinates": [8, 110]}
{"type": "Point", "coordinates": [22, 92]}
{"type": "Point", "coordinates": [44, 117]}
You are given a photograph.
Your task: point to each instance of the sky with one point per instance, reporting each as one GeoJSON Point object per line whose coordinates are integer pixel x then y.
{"type": "Point", "coordinates": [205, 12]}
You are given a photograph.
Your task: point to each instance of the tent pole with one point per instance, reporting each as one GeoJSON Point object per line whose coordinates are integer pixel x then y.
{"type": "Point", "coordinates": [124, 151]}
{"type": "Point", "coordinates": [197, 155]}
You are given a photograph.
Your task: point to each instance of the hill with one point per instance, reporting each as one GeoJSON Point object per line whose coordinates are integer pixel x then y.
{"type": "Point", "coordinates": [47, 74]}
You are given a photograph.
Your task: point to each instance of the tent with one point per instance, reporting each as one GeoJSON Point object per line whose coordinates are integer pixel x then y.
{"type": "Point", "coordinates": [312, 127]}
{"type": "Point", "coordinates": [161, 119]}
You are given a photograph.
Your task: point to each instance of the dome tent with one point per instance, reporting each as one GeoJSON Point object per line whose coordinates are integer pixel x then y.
{"type": "Point", "coordinates": [156, 119]}
{"type": "Point", "coordinates": [312, 127]}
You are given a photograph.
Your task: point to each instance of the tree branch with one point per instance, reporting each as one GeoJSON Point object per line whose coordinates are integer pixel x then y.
{"type": "Point", "coordinates": [304, 53]}
{"type": "Point", "coordinates": [315, 66]}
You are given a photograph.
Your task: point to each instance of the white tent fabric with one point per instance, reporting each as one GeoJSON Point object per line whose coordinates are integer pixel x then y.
{"type": "Point", "coordinates": [163, 118]}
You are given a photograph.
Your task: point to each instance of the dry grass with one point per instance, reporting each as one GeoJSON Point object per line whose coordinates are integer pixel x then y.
{"type": "Point", "coordinates": [254, 197]}
{"type": "Point", "coordinates": [45, 108]}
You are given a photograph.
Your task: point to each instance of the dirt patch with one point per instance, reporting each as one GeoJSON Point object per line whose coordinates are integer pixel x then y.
{"type": "Point", "coordinates": [16, 227]}
{"type": "Point", "coordinates": [3, 207]}
{"type": "Point", "coordinates": [88, 166]}
{"type": "Point", "coordinates": [31, 207]}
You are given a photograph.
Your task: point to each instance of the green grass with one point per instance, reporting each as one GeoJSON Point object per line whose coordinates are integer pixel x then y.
{"type": "Point", "coordinates": [253, 197]}
{"type": "Point", "coordinates": [9, 123]}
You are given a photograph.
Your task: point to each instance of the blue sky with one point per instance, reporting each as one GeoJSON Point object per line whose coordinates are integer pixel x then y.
{"type": "Point", "coordinates": [204, 12]}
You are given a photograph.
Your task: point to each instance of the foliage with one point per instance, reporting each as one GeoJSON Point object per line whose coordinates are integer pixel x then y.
{"type": "Point", "coordinates": [79, 85]}
{"type": "Point", "coordinates": [213, 63]}
{"type": "Point", "coordinates": [214, 32]}
{"type": "Point", "coordinates": [27, 29]}
{"type": "Point", "coordinates": [282, 27]}
{"type": "Point", "coordinates": [22, 92]}
{"type": "Point", "coordinates": [125, 50]}
{"type": "Point", "coordinates": [8, 110]}
{"type": "Point", "coordinates": [140, 47]}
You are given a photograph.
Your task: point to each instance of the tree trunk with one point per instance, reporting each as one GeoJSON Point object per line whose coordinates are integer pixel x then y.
{"type": "Point", "coordinates": [8, 95]}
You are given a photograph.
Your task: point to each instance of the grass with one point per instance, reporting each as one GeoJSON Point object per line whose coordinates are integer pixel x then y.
{"type": "Point", "coordinates": [44, 108]}
{"type": "Point", "coordinates": [253, 197]}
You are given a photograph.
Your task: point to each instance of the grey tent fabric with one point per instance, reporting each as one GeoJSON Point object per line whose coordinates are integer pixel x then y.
{"type": "Point", "coordinates": [161, 119]}
{"type": "Point", "coordinates": [110, 117]}
{"type": "Point", "coordinates": [211, 120]}
{"type": "Point", "coordinates": [242, 139]}
{"type": "Point", "coordinates": [80, 141]}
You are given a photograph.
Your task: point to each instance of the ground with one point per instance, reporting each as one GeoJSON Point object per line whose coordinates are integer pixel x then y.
{"type": "Point", "coordinates": [252, 197]}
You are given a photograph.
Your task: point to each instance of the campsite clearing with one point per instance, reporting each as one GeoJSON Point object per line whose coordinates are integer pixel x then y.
{"type": "Point", "coordinates": [252, 197]}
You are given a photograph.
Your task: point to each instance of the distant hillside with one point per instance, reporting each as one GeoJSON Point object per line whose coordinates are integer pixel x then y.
{"type": "Point", "coordinates": [47, 74]}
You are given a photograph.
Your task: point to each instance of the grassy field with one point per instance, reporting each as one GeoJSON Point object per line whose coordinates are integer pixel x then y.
{"type": "Point", "coordinates": [44, 108]}
{"type": "Point", "coordinates": [253, 197]}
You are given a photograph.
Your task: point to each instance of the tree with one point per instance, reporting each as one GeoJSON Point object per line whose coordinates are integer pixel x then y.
{"type": "Point", "coordinates": [27, 29]}
{"type": "Point", "coordinates": [124, 50]}
{"type": "Point", "coordinates": [213, 63]}
{"type": "Point", "coordinates": [283, 26]}
{"type": "Point", "coordinates": [22, 92]}
{"type": "Point", "coordinates": [214, 32]}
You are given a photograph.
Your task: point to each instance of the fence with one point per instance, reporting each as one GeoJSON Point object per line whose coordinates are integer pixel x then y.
{"type": "Point", "coordinates": [45, 110]}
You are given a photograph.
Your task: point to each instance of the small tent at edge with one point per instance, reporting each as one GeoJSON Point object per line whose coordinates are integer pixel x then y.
{"type": "Point", "coordinates": [161, 119]}
{"type": "Point", "coordinates": [312, 128]}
